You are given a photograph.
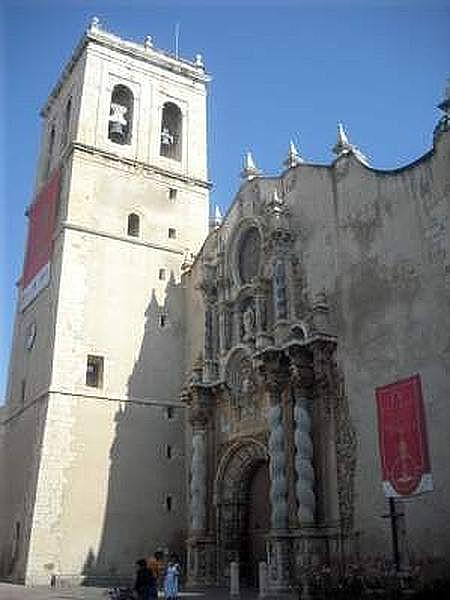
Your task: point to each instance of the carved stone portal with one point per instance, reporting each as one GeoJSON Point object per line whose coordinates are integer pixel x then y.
{"type": "Point", "coordinates": [237, 467]}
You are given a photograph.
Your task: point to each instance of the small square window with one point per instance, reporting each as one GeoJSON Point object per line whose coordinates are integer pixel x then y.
{"type": "Point", "coordinates": [173, 194]}
{"type": "Point", "coordinates": [94, 371]}
{"type": "Point", "coordinates": [133, 225]}
{"type": "Point", "coordinates": [172, 233]}
{"type": "Point", "coordinates": [162, 274]}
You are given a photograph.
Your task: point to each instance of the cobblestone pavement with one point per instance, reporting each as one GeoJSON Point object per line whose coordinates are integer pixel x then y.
{"type": "Point", "coordinates": [20, 592]}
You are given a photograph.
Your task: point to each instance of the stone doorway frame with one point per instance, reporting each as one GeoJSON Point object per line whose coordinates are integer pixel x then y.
{"type": "Point", "coordinates": [231, 490]}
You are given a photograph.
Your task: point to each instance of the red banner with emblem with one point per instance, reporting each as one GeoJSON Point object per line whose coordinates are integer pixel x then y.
{"type": "Point", "coordinates": [403, 440]}
{"type": "Point", "coordinates": [42, 214]}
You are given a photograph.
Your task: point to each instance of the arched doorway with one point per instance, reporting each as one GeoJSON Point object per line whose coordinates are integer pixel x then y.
{"type": "Point", "coordinates": [243, 509]}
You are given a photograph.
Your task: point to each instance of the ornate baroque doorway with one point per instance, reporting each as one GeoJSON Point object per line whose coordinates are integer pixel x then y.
{"type": "Point", "coordinates": [243, 508]}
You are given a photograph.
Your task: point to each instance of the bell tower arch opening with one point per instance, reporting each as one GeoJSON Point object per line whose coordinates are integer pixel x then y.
{"type": "Point", "coordinates": [243, 508]}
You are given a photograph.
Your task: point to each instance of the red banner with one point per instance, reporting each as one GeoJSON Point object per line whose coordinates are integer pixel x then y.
{"type": "Point", "coordinates": [403, 441]}
{"type": "Point", "coordinates": [42, 214]}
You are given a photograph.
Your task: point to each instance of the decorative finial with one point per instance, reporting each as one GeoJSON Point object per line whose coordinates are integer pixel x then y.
{"type": "Point", "coordinates": [277, 209]}
{"type": "Point", "coordinates": [444, 122]}
{"type": "Point", "coordinates": [277, 203]}
{"type": "Point", "coordinates": [293, 158]}
{"type": "Point", "coordinates": [188, 259]}
{"type": "Point", "coordinates": [445, 104]}
{"type": "Point", "coordinates": [250, 170]}
{"type": "Point", "coordinates": [148, 42]}
{"type": "Point", "coordinates": [198, 62]}
{"type": "Point", "coordinates": [218, 218]}
{"type": "Point", "coordinates": [343, 146]}
{"type": "Point", "coordinates": [94, 25]}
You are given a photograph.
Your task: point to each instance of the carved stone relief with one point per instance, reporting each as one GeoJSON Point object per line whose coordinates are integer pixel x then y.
{"type": "Point", "coordinates": [242, 391]}
{"type": "Point", "coordinates": [346, 444]}
{"type": "Point", "coordinates": [248, 322]}
{"type": "Point", "coordinates": [279, 289]}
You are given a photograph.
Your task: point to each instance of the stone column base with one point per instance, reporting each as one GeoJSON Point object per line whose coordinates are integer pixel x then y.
{"type": "Point", "coordinates": [279, 551]}
{"type": "Point", "coordinates": [313, 548]}
{"type": "Point", "coordinates": [293, 554]}
{"type": "Point", "coordinates": [201, 563]}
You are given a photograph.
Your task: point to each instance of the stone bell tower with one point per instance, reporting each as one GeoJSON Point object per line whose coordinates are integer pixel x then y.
{"type": "Point", "coordinates": [94, 433]}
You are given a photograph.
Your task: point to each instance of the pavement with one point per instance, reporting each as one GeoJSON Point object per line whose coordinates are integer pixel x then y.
{"type": "Point", "coordinates": [20, 592]}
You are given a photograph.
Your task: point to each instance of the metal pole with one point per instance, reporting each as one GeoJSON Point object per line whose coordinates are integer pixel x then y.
{"type": "Point", "coordinates": [177, 39]}
{"type": "Point", "coordinates": [395, 549]}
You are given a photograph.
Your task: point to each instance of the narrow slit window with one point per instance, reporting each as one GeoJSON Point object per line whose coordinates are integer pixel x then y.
{"type": "Point", "coordinates": [169, 452]}
{"type": "Point", "coordinates": [66, 124]}
{"type": "Point", "coordinates": [162, 320]}
{"type": "Point", "coordinates": [169, 503]}
{"type": "Point", "coordinates": [94, 371]}
{"type": "Point", "coordinates": [172, 233]}
{"type": "Point", "coordinates": [50, 147]}
{"type": "Point", "coordinates": [162, 274]}
{"type": "Point", "coordinates": [173, 193]}
{"type": "Point", "coordinates": [133, 225]}
{"type": "Point", "coordinates": [23, 389]}
{"type": "Point", "coordinates": [170, 413]}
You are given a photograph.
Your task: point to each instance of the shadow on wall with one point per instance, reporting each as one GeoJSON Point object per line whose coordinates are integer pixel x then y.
{"type": "Point", "coordinates": [136, 520]}
{"type": "Point", "coordinates": [22, 452]}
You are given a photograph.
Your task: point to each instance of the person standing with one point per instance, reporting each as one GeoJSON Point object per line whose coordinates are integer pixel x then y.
{"type": "Point", "coordinates": [156, 565]}
{"type": "Point", "coordinates": [171, 579]}
{"type": "Point", "coordinates": [145, 585]}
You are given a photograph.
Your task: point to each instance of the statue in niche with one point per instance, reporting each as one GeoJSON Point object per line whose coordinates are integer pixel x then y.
{"type": "Point", "coordinates": [248, 322]}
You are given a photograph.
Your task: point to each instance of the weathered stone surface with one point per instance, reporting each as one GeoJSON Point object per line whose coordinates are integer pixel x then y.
{"type": "Point", "coordinates": [90, 470]}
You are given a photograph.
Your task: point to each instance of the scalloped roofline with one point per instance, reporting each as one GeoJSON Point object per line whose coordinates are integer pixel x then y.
{"type": "Point", "coordinates": [351, 154]}
{"type": "Point", "coordinates": [397, 170]}
{"type": "Point", "coordinates": [308, 165]}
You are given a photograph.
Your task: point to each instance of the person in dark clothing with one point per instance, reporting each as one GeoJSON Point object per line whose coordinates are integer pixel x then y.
{"type": "Point", "coordinates": [145, 585]}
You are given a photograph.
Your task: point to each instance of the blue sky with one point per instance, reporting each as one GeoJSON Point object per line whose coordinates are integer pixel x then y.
{"type": "Point", "coordinates": [280, 70]}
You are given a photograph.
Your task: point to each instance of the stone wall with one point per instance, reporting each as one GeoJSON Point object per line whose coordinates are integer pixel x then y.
{"type": "Point", "coordinates": [107, 461]}
{"type": "Point", "coordinates": [375, 245]}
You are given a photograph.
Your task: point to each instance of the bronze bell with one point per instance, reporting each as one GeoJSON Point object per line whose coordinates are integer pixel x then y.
{"type": "Point", "coordinates": [116, 132]}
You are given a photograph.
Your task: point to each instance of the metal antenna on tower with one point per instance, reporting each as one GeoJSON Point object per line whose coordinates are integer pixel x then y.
{"type": "Point", "coordinates": [177, 38]}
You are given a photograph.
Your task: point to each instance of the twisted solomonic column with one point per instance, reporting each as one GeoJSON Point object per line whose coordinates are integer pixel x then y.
{"type": "Point", "coordinates": [302, 377]}
{"type": "Point", "coordinates": [198, 481]}
{"type": "Point", "coordinates": [277, 468]}
{"type": "Point", "coordinates": [304, 488]}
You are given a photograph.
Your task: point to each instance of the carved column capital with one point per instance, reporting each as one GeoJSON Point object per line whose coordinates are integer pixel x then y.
{"type": "Point", "coordinates": [208, 288]}
{"type": "Point", "coordinates": [301, 369]}
{"type": "Point", "coordinates": [200, 399]}
{"type": "Point", "coordinates": [272, 371]}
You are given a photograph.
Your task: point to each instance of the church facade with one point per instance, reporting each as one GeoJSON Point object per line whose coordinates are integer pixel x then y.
{"type": "Point", "coordinates": [319, 287]}
{"type": "Point", "coordinates": [215, 393]}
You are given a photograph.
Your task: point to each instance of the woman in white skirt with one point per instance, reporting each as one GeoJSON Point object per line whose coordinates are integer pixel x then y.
{"type": "Point", "coordinates": [171, 579]}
